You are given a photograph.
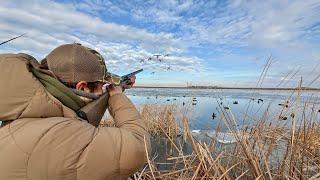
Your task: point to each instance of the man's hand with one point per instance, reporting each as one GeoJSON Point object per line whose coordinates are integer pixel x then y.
{"type": "Point", "coordinates": [113, 90]}
{"type": "Point", "coordinates": [132, 80]}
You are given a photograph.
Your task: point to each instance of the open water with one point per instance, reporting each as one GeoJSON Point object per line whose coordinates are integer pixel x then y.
{"type": "Point", "coordinates": [201, 104]}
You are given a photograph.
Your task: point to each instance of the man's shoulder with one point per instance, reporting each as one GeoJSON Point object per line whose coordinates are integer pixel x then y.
{"type": "Point", "coordinates": [56, 127]}
{"type": "Point", "coordinates": [29, 133]}
{"type": "Point", "coordinates": [19, 57]}
{"type": "Point", "coordinates": [56, 123]}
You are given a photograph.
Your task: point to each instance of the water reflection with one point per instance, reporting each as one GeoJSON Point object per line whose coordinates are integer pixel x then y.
{"type": "Point", "coordinates": [247, 107]}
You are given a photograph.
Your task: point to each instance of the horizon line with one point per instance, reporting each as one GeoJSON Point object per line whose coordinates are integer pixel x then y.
{"type": "Point", "coordinates": [223, 87]}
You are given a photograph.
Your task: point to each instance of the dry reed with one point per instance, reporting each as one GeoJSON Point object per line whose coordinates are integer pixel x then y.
{"type": "Point", "coordinates": [267, 149]}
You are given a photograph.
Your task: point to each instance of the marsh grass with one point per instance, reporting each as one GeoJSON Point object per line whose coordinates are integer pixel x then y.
{"type": "Point", "coordinates": [268, 148]}
{"type": "Point", "coordinates": [262, 151]}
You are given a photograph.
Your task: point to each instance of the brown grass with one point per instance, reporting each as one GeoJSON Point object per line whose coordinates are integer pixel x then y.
{"type": "Point", "coordinates": [263, 151]}
{"type": "Point", "coordinates": [267, 149]}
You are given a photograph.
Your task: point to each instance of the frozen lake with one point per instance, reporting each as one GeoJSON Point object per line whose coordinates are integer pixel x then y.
{"type": "Point", "coordinates": [200, 104]}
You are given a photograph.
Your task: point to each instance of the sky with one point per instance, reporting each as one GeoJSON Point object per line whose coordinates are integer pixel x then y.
{"type": "Point", "coordinates": [215, 43]}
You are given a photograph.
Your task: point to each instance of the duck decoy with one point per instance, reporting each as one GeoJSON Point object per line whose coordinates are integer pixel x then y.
{"type": "Point", "coordinates": [283, 118]}
{"type": "Point", "coordinates": [213, 115]}
{"type": "Point", "coordinates": [285, 105]}
{"type": "Point", "coordinates": [292, 115]}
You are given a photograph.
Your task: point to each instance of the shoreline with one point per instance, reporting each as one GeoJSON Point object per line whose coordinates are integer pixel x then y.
{"type": "Point", "coordinates": [236, 88]}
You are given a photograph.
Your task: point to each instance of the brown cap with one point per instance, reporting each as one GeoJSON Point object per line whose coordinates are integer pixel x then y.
{"type": "Point", "coordinates": [72, 63]}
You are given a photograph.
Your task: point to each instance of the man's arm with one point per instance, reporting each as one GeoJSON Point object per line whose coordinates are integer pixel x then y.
{"type": "Point", "coordinates": [118, 151]}
{"type": "Point", "coordinates": [133, 132]}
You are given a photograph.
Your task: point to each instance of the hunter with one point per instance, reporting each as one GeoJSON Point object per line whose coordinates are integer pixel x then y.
{"type": "Point", "coordinates": [49, 131]}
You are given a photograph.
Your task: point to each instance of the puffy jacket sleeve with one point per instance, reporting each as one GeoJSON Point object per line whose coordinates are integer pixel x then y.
{"type": "Point", "coordinates": [117, 152]}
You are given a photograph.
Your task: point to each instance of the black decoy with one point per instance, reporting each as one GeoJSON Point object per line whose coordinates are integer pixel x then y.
{"type": "Point", "coordinates": [235, 102]}
{"type": "Point", "coordinates": [292, 115]}
{"type": "Point", "coordinates": [183, 103]}
{"type": "Point", "coordinates": [285, 105]}
{"type": "Point", "coordinates": [174, 99]}
{"type": "Point", "coordinates": [283, 118]}
{"type": "Point", "coordinates": [168, 99]}
{"type": "Point", "coordinates": [194, 104]}
{"type": "Point", "coordinates": [225, 107]}
{"type": "Point", "coordinates": [213, 115]}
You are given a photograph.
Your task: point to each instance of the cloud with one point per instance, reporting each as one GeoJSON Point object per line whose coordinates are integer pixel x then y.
{"type": "Point", "coordinates": [201, 36]}
{"type": "Point", "coordinates": [101, 6]}
{"type": "Point", "coordinates": [54, 18]}
{"type": "Point", "coordinates": [290, 30]}
{"type": "Point", "coordinates": [235, 23]}
{"type": "Point", "coordinates": [124, 57]}
{"type": "Point", "coordinates": [49, 24]}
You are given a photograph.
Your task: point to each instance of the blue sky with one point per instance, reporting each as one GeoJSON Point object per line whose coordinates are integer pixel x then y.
{"type": "Point", "coordinates": [224, 43]}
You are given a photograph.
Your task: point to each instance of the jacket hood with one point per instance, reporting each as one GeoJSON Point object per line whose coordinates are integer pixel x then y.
{"type": "Point", "coordinates": [22, 95]}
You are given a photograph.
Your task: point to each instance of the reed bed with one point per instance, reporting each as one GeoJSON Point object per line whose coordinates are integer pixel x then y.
{"type": "Point", "coordinates": [262, 151]}
{"type": "Point", "coordinates": [269, 147]}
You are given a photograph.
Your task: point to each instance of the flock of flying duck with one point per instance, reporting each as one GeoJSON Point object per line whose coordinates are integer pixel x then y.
{"type": "Point", "coordinates": [156, 57]}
